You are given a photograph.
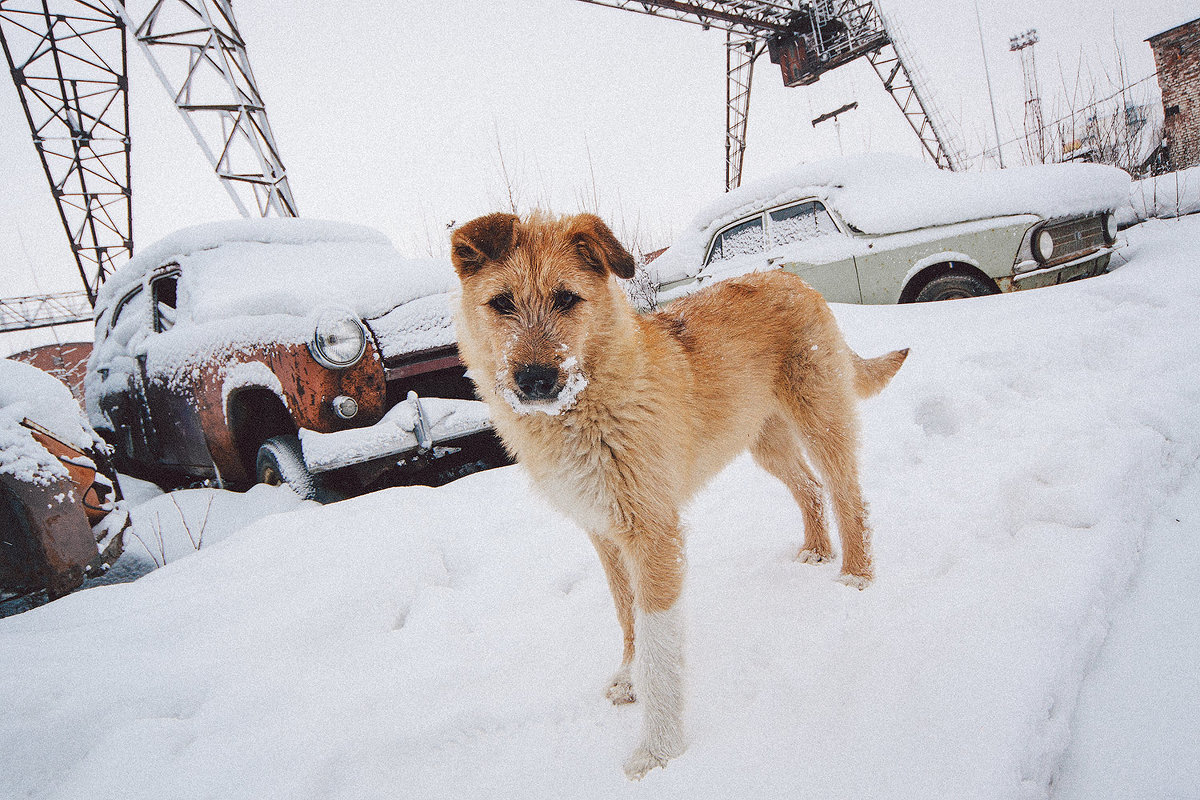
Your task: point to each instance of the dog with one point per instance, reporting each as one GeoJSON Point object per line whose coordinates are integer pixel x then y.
{"type": "Point", "coordinates": [620, 417]}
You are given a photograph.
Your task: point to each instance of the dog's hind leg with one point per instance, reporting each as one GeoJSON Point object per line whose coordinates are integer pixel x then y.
{"type": "Point", "coordinates": [829, 428]}
{"type": "Point", "coordinates": [778, 451]}
{"type": "Point", "coordinates": [620, 690]}
{"type": "Point", "coordinates": [654, 555]}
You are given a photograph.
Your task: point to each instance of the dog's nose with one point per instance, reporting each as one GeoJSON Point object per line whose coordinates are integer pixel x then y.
{"type": "Point", "coordinates": [537, 381]}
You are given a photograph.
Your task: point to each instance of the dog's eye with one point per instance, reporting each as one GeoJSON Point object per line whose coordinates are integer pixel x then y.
{"type": "Point", "coordinates": [503, 304]}
{"type": "Point", "coordinates": [564, 301]}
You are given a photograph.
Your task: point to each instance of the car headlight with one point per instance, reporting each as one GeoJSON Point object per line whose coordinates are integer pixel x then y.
{"type": "Point", "coordinates": [1043, 245]}
{"type": "Point", "coordinates": [1110, 227]}
{"type": "Point", "coordinates": [339, 340]}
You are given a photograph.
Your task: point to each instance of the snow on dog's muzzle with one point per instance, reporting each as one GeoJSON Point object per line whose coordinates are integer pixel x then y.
{"type": "Point", "coordinates": [543, 388]}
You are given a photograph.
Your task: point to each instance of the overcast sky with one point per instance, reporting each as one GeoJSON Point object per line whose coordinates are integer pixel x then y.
{"type": "Point", "coordinates": [395, 115]}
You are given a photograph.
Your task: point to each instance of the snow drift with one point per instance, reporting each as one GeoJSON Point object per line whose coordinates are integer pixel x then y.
{"type": "Point", "coordinates": [456, 642]}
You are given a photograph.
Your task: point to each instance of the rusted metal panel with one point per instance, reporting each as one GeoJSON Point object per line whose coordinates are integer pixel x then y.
{"type": "Point", "coordinates": [67, 362]}
{"type": "Point", "coordinates": [419, 368]}
{"type": "Point", "coordinates": [307, 387]}
{"type": "Point", "coordinates": [57, 546]}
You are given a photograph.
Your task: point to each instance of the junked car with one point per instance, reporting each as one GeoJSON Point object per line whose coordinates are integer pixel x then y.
{"type": "Point", "coordinates": [58, 494]}
{"type": "Point", "coordinates": [284, 351]}
{"type": "Point", "coordinates": [887, 229]}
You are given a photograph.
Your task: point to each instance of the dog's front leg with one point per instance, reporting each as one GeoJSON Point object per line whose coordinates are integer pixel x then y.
{"type": "Point", "coordinates": [655, 559]}
{"type": "Point", "coordinates": [620, 689]}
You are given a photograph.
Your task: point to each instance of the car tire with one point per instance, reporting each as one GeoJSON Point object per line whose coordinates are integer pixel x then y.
{"type": "Point", "coordinates": [280, 462]}
{"type": "Point", "coordinates": [955, 286]}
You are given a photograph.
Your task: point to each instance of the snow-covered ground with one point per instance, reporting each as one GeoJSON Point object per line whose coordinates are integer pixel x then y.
{"type": "Point", "coordinates": [1032, 479]}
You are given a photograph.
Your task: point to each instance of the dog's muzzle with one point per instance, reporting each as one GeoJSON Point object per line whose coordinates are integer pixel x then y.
{"type": "Point", "coordinates": [537, 381]}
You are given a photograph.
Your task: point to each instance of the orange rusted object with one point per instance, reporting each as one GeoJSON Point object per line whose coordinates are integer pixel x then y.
{"type": "Point", "coordinates": [47, 540]}
{"type": "Point", "coordinates": [307, 387]}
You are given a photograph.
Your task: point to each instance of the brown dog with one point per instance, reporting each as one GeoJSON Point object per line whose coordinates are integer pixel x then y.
{"type": "Point", "coordinates": [620, 418]}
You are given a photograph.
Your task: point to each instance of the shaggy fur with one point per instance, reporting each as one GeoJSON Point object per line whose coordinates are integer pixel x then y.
{"type": "Point", "coordinates": [620, 417]}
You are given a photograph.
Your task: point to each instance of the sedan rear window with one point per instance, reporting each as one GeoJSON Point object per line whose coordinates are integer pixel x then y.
{"type": "Point", "coordinates": [800, 222]}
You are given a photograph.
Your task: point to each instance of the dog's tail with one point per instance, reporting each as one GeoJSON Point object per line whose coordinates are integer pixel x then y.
{"type": "Point", "coordinates": [872, 374]}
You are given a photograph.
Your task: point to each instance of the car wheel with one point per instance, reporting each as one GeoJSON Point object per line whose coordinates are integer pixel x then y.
{"type": "Point", "coordinates": [955, 286]}
{"type": "Point", "coordinates": [280, 462]}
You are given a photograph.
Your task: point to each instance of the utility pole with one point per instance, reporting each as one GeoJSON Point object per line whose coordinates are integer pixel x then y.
{"type": "Point", "coordinates": [988, 76]}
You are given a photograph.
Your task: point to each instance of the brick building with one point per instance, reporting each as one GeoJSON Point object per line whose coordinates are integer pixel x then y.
{"type": "Point", "coordinates": [1177, 59]}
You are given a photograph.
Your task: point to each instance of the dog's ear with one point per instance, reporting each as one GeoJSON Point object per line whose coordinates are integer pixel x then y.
{"type": "Point", "coordinates": [481, 240]}
{"type": "Point", "coordinates": [598, 248]}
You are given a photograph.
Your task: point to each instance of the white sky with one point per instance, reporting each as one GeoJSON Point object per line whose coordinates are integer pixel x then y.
{"type": "Point", "coordinates": [389, 114]}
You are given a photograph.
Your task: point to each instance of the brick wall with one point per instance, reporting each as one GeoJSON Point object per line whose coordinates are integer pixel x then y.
{"type": "Point", "coordinates": [1177, 59]}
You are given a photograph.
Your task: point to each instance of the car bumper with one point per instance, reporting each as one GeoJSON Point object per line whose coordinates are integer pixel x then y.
{"type": "Point", "coordinates": [1083, 267]}
{"type": "Point", "coordinates": [415, 426]}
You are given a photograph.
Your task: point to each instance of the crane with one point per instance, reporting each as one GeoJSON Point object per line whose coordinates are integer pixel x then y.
{"type": "Point", "coordinates": [69, 62]}
{"type": "Point", "coordinates": [806, 38]}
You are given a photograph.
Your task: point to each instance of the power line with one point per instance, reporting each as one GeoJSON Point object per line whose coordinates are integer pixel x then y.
{"type": "Point", "coordinates": [1073, 114]}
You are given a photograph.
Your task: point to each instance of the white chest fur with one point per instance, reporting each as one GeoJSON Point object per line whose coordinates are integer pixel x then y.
{"type": "Point", "coordinates": [578, 490]}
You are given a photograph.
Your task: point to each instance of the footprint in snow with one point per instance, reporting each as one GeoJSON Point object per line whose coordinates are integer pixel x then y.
{"type": "Point", "coordinates": [936, 417]}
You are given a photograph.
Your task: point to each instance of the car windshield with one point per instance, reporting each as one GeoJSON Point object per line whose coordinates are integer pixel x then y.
{"type": "Point", "coordinates": [745, 238]}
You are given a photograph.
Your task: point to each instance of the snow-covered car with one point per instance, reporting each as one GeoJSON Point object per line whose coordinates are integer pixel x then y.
{"type": "Point", "coordinates": [284, 351]}
{"type": "Point", "coordinates": [56, 488]}
{"type": "Point", "coordinates": [887, 229]}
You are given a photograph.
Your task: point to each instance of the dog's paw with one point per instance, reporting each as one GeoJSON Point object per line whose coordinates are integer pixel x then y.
{"type": "Point", "coordinates": [859, 582]}
{"type": "Point", "coordinates": [807, 556]}
{"type": "Point", "coordinates": [620, 691]}
{"type": "Point", "coordinates": [643, 760]}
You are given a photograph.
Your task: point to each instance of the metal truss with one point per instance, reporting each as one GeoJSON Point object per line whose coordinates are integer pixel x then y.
{"type": "Point", "coordinates": [69, 67]}
{"type": "Point", "coordinates": [807, 38]}
{"type": "Point", "coordinates": [199, 55]}
{"type": "Point", "coordinates": [735, 16]}
{"type": "Point", "coordinates": [899, 84]}
{"type": "Point", "coordinates": [741, 51]}
{"type": "Point", "coordinates": [43, 311]}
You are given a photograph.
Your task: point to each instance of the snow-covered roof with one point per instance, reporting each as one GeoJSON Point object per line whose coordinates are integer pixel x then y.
{"type": "Point", "coordinates": [256, 267]}
{"type": "Point", "coordinates": [1177, 20]}
{"type": "Point", "coordinates": [28, 393]}
{"type": "Point", "coordinates": [881, 193]}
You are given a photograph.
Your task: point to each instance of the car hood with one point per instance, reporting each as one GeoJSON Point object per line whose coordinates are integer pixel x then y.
{"type": "Point", "coordinates": [424, 323]}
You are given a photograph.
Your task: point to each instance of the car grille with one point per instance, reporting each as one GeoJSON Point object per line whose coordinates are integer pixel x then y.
{"type": "Point", "coordinates": [1075, 237]}
{"type": "Point", "coordinates": [430, 373]}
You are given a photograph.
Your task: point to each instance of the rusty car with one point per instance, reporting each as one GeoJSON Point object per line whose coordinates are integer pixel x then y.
{"type": "Point", "coordinates": [285, 351]}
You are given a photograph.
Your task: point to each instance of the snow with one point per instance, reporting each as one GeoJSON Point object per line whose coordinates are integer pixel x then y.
{"type": "Point", "coordinates": [1171, 195]}
{"type": "Point", "coordinates": [167, 527]}
{"type": "Point", "coordinates": [885, 193]}
{"type": "Point", "coordinates": [457, 642]}
{"type": "Point", "coordinates": [27, 392]}
{"type": "Point", "coordinates": [564, 401]}
{"type": "Point", "coordinates": [1136, 721]}
{"type": "Point", "coordinates": [283, 266]}
{"type": "Point", "coordinates": [395, 433]}
{"type": "Point", "coordinates": [422, 324]}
